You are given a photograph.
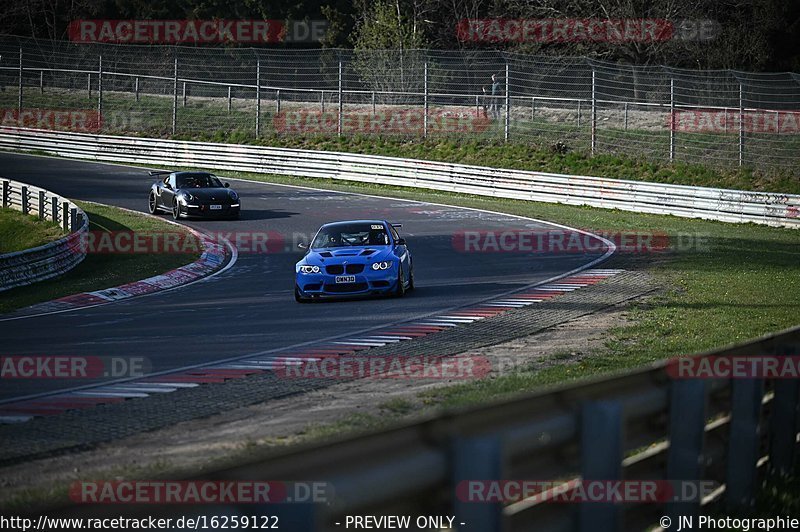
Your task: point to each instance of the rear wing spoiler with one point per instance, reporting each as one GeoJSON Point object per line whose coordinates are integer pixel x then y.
{"type": "Point", "coordinates": [396, 226]}
{"type": "Point", "coordinates": [159, 172]}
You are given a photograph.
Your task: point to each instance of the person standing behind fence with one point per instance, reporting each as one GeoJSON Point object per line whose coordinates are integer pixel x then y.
{"type": "Point", "coordinates": [494, 109]}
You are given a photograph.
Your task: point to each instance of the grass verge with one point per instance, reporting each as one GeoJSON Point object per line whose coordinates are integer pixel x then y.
{"type": "Point", "coordinates": [19, 231]}
{"type": "Point", "coordinates": [103, 270]}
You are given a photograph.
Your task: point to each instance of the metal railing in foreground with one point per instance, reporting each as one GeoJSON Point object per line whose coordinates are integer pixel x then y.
{"type": "Point", "coordinates": [655, 198]}
{"type": "Point", "coordinates": [645, 424]}
{"type": "Point", "coordinates": [28, 266]}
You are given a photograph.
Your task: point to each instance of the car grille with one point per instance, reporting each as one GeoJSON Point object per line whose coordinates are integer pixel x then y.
{"type": "Point", "coordinates": [338, 269]}
{"type": "Point", "coordinates": [342, 288]}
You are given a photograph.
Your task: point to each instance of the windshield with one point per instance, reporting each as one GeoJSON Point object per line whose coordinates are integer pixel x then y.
{"type": "Point", "coordinates": [198, 181]}
{"type": "Point", "coordinates": [345, 235]}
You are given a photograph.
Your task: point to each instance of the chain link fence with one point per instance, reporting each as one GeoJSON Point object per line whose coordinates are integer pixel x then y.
{"type": "Point", "coordinates": [721, 118]}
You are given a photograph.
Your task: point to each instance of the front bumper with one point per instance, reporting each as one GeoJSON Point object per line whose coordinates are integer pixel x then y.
{"type": "Point", "coordinates": [325, 285]}
{"type": "Point", "coordinates": [204, 210]}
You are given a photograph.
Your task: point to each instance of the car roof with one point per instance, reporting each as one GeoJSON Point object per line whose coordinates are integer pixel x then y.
{"type": "Point", "coordinates": [190, 172]}
{"type": "Point", "coordinates": [348, 222]}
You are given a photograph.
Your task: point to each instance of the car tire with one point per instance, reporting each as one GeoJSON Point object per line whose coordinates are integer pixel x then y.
{"type": "Point", "coordinates": [176, 210]}
{"type": "Point", "coordinates": [400, 291]}
{"type": "Point", "coordinates": [152, 203]}
{"type": "Point", "coordinates": [298, 297]}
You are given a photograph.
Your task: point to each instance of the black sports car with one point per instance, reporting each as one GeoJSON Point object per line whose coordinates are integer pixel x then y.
{"type": "Point", "coordinates": [187, 194]}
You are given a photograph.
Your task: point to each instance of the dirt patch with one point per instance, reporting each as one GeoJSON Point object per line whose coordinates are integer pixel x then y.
{"type": "Point", "coordinates": [199, 444]}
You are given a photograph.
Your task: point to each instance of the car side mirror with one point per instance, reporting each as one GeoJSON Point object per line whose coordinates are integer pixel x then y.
{"type": "Point", "coordinates": [227, 185]}
{"type": "Point", "coordinates": [302, 245]}
{"type": "Point", "coordinates": [400, 242]}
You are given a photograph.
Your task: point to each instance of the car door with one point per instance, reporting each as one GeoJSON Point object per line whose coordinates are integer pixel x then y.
{"type": "Point", "coordinates": [401, 250]}
{"type": "Point", "coordinates": [168, 191]}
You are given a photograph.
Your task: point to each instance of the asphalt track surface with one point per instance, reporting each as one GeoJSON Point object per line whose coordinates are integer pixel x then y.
{"type": "Point", "coordinates": [249, 308]}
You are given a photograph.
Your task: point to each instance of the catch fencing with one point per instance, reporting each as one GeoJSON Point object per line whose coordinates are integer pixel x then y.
{"type": "Point", "coordinates": [28, 266]}
{"type": "Point", "coordinates": [722, 118]}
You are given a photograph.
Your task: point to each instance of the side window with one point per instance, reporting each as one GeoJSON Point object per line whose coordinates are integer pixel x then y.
{"type": "Point", "coordinates": [172, 181]}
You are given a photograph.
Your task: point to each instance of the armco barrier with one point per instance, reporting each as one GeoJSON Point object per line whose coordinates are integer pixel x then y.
{"type": "Point", "coordinates": [25, 267]}
{"type": "Point", "coordinates": [693, 202]}
{"type": "Point", "coordinates": [645, 424]}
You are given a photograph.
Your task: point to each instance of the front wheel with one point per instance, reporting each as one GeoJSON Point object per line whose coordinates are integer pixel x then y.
{"type": "Point", "coordinates": [298, 296]}
{"type": "Point", "coordinates": [400, 291]}
{"type": "Point", "coordinates": [152, 203]}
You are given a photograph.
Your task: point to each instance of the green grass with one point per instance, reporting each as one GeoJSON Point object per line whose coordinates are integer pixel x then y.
{"type": "Point", "coordinates": [19, 231]}
{"type": "Point", "coordinates": [103, 270]}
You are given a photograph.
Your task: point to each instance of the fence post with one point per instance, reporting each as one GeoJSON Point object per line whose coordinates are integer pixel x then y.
{"type": "Point", "coordinates": [175, 96]}
{"type": "Point", "coordinates": [258, 97]}
{"type": "Point", "coordinates": [508, 106]}
{"type": "Point", "coordinates": [183, 104]}
{"type": "Point", "coordinates": [41, 82]}
{"type": "Point", "coordinates": [6, 193]}
{"type": "Point", "coordinates": [687, 418]}
{"type": "Point", "coordinates": [579, 112]}
{"type": "Point", "coordinates": [626, 116]}
{"type": "Point", "coordinates": [136, 89]}
{"type": "Point", "coordinates": [743, 442]}
{"type": "Point", "coordinates": [65, 217]}
{"type": "Point", "coordinates": [100, 87]}
{"type": "Point", "coordinates": [24, 199]}
{"type": "Point", "coordinates": [89, 85]}
{"type": "Point", "coordinates": [601, 459]}
{"type": "Point", "coordinates": [594, 110]}
{"type": "Point", "coordinates": [783, 426]}
{"type": "Point", "coordinates": [741, 125]}
{"type": "Point", "coordinates": [533, 106]}
{"type": "Point", "coordinates": [339, 125]}
{"type": "Point", "coordinates": [671, 119]}
{"type": "Point", "coordinates": [42, 204]}
{"type": "Point", "coordinates": [477, 459]}
{"type": "Point", "coordinates": [19, 95]}
{"type": "Point", "coordinates": [322, 101]}
{"type": "Point", "coordinates": [229, 99]}
{"type": "Point", "coordinates": [374, 111]}
{"type": "Point", "coordinates": [425, 104]}
{"type": "Point", "coordinates": [277, 101]}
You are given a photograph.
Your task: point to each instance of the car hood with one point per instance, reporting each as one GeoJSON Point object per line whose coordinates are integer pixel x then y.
{"type": "Point", "coordinates": [353, 254]}
{"type": "Point", "coordinates": [208, 194]}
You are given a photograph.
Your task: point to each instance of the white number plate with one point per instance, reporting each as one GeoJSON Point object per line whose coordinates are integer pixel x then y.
{"type": "Point", "coordinates": [216, 207]}
{"type": "Point", "coordinates": [345, 278]}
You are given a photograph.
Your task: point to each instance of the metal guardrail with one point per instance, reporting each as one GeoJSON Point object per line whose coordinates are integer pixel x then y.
{"type": "Point", "coordinates": [686, 201]}
{"type": "Point", "coordinates": [28, 266]}
{"type": "Point", "coordinates": [644, 424]}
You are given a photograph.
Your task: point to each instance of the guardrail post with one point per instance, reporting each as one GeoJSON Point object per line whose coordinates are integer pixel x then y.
{"type": "Point", "coordinates": [258, 97]}
{"type": "Point", "coordinates": [175, 96]}
{"type": "Point", "coordinates": [100, 87]}
{"type": "Point", "coordinates": [741, 125]}
{"type": "Point", "coordinates": [73, 218]}
{"type": "Point", "coordinates": [594, 109]}
{"type": "Point", "coordinates": [671, 119]}
{"type": "Point", "coordinates": [477, 459]}
{"type": "Point", "coordinates": [601, 459]}
{"type": "Point", "coordinates": [19, 94]}
{"type": "Point", "coordinates": [42, 204]}
{"type": "Point", "coordinates": [339, 125]}
{"type": "Point", "coordinates": [65, 216]}
{"type": "Point", "coordinates": [54, 208]}
{"type": "Point", "coordinates": [508, 107]}
{"type": "Point", "coordinates": [24, 199]}
{"type": "Point", "coordinates": [425, 104]}
{"type": "Point", "coordinates": [743, 441]}
{"type": "Point", "coordinates": [136, 89]}
{"type": "Point", "coordinates": [687, 418]}
{"type": "Point", "coordinates": [783, 426]}
{"type": "Point", "coordinates": [6, 193]}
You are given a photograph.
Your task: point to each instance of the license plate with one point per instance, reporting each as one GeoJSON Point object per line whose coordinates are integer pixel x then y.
{"type": "Point", "coordinates": [345, 278]}
{"type": "Point", "coordinates": [216, 207]}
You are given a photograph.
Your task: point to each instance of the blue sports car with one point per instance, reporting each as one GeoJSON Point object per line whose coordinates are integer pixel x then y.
{"type": "Point", "coordinates": [357, 257]}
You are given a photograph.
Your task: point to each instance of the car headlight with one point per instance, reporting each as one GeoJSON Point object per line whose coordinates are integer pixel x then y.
{"type": "Point", "coordinates": [385, 265]}
{"type": "Point", "coordinates": [232, 194]}
{"type": "Point", "coordinates": [309, 269]}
